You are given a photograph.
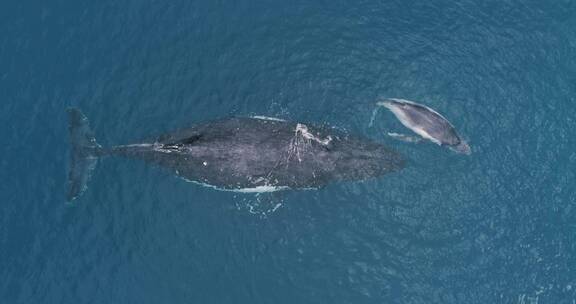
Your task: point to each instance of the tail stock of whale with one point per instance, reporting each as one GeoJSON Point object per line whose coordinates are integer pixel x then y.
{"type": "Point", "coordinates": [83, 155]}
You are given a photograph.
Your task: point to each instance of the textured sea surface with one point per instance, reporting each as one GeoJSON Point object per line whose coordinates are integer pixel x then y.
{"type": "Point", "coordinates": [498, 226]}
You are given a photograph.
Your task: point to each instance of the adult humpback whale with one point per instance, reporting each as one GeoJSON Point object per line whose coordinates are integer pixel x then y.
{"type": "Point", "coordinates": [256, 154]}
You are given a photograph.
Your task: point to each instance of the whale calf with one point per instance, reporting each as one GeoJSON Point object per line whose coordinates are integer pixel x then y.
{"type": "Point", "coordinates": [427, 123]}
{"type": "Point", "coordinates": [244, 154]}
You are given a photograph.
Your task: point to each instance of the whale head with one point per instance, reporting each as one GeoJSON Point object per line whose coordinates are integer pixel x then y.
{"type": "Point", "coordinates": [462, 148]}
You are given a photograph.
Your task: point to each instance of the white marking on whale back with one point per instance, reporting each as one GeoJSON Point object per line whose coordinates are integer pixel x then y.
{"type": "Point", "coordinates": [303, 130]}
{"type": "Point", "coordinates": [267, 118]}
{"type": "Point", "coordinates": [302, 140]}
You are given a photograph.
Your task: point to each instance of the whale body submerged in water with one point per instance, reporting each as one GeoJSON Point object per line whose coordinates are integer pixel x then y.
{"type": "Point", "coordinates": [427, 123]}
{"type": "Point", "coordinates": [250, 154]}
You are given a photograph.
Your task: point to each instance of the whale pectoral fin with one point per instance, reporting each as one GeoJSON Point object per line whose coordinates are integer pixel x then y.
{"type": "Point", "coordinates": [405, 138]}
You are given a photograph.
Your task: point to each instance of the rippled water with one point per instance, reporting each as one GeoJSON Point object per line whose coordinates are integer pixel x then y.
{"type": "Point", "coordinates": [495, 227]}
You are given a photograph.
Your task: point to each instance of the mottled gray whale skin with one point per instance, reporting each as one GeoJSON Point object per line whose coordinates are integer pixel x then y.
{"type": "Point", "coordinates": [427, 123]}
{"type": "Point", "coordinates": [243, 154]}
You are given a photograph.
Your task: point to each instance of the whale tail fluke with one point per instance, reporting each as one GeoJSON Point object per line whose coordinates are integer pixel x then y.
{"type": "Point", "coordinates": [84, 153]}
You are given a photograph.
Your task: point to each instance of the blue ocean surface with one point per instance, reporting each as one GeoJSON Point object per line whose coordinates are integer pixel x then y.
{"type": "Point", "coordinates": [497, 226]}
